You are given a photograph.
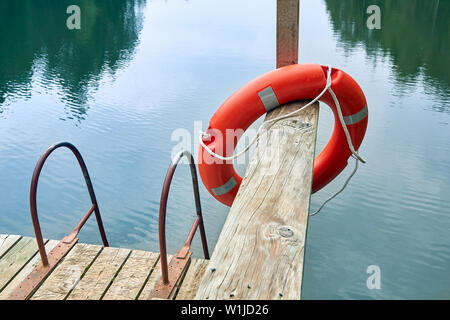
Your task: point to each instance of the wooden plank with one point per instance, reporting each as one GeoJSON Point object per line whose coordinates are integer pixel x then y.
{"type": "Point", "coordinates": [287, 32]}
{"type": "Point", "coordinates": [259, 254]}
{"type": "Point", "coordinates": [100, 274]}
{"type": "Point", "coordinates": [151, 282]}
{"type": "Point", "coordinates": [191, 282]}
{"type": "Point", "coordinates": [26, 271]}
{"type": "Point", "coordinates": [16, 258]}
{"type": "Point", "coordinates": [67, 274]}
{"type": "Point", "coordinates": [6, 242]}
{"type": "Point", "coordinates": [132, 276]}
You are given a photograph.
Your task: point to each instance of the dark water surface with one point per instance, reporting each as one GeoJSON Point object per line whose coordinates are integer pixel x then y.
{"type": "Point", "coordinates": [140, 72]}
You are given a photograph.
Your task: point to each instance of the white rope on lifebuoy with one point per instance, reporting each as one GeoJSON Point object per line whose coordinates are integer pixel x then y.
{"type": "Point", "coordinates": [204, 135]}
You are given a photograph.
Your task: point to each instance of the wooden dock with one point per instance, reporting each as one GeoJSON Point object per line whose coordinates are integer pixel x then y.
{"type": "Point", "coordinates": [90, 272]}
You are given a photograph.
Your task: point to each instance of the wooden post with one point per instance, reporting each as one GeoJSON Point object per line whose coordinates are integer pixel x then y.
{"type": "Point", "coordinates": [287, 32]}
{"type": "Point", "coordinates": [259, 254]}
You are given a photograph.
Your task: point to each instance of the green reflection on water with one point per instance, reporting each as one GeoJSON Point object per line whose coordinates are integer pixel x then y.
{"type": "Point", "coordinates": [414, 34]}
{"type": "Point", "coordinates": [35, 32]}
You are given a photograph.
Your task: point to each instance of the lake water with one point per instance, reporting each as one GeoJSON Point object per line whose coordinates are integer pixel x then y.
{"type": "Point", "coordinates": [137, 71]}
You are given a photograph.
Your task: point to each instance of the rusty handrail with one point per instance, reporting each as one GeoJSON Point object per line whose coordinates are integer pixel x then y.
{"type": "Point", "coordinates": [33, 205]}
{"type": "Point", "coordinates": [49, 262]}
{"type": "Point", "coordinates": [164, 287]}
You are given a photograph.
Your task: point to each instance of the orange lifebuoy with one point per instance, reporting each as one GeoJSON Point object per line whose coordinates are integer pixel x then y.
{"type": "Point", "coordinates": [267, 92]}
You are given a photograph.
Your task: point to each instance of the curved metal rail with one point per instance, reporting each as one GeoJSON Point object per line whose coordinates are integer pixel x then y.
{"type": "Point", "coordinates": [50, 261]}
{"type": "Point", "coordinates": [33, 205]}
{"type": "Point", "coordinates": [165, 285]}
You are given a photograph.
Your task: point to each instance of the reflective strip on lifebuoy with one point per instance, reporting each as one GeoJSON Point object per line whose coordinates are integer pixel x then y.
{"type": "Point", "coordinates": [267, 92]}
{"type": "Point", "coordinates": [268, 98]}
{"type": "Point", "coordinates": [225, 188]}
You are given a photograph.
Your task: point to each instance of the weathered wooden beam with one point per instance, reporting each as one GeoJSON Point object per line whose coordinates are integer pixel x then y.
{"type": "Point", "coordinates": [260, 252]}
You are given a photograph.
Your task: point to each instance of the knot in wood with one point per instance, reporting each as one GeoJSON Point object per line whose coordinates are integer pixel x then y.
{"type": "Point", "coordinates": [285, 232]}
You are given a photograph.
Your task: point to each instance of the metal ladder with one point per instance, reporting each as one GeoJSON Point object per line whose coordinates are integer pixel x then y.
{"type": "Point", "coordinates": [49, 262]}
{"type": "Point", "coordinates": [164, 287]}
{"type": "Point", "coordinates": [171, 274]}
